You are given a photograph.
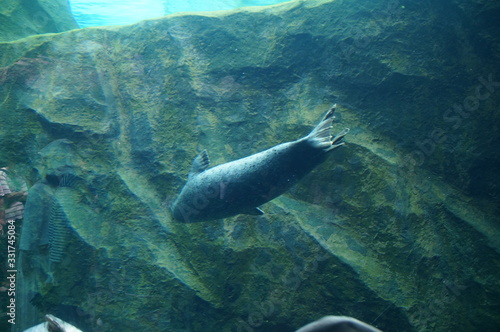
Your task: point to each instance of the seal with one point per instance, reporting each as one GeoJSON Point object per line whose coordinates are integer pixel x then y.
{"type": "Point", "coordinates": [240, 186]}
{"type": "Point", "coordinates": [338, 324]}
{"type": "Point", "coordinates": [53, 324]}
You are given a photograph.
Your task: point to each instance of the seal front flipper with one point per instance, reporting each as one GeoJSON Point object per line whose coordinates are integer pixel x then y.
{"type": "Point", "coordinates": [253, 211]}
{"type": "Point", "coordinates": [200, 164]}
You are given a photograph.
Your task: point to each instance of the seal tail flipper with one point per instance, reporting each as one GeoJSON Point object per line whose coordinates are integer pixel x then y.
{"type": "Point", "coordinates": [321, 137]}
{"type": "Point", "coordinates": [338, 139]}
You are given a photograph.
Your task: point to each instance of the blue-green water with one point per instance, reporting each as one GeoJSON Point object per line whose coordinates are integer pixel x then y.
{"type": "Point", "coordinates": [114, 12]}
{"type": "Point", "coordinates": [120, 12]}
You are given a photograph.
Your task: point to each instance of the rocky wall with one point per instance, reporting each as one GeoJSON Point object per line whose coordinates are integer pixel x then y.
{"type": "Point", "coordinates": [399, 228]}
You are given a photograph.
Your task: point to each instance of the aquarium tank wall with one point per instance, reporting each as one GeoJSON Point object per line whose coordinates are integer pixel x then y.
{"type": "Point", "coordinates": [169, 166]}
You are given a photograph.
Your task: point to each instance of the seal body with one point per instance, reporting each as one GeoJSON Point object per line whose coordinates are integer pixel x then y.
{"type": "Point", "coordinates": [242, 185]}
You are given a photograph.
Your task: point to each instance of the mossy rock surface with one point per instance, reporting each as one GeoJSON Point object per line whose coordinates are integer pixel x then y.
{"type": "Point", "coordinates": [19, 19]}
{"type": "Point", "coordinates": [399, 228]}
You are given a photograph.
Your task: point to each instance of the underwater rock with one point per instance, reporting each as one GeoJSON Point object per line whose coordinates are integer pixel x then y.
{"type": "Point", "coordinates": [19, 19]}
{"type": "Point", "coordinates": [399, 229]}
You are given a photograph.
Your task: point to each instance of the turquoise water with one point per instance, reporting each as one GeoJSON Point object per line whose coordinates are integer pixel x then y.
{"type": "Point", "coordinates": [89, 13]}
{"type": "Point", "coordinates": [114, 12]}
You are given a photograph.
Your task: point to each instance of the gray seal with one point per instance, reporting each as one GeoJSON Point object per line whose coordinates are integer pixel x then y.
{"type": "Point", "coordinates": [240, 186]}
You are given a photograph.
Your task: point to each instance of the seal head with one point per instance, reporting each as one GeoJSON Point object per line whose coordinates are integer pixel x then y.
{"type": "Point", "coordinates": [338, 324]}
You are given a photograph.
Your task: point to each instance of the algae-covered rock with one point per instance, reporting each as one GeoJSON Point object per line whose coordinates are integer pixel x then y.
{"type": "Point", "coordinates": [19, 19]}
{"type": "Point", "coordinates": [398, 228]}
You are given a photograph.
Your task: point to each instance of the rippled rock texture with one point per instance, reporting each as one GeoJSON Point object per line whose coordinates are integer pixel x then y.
{"type": "Point", "coordinates": [19, 19]}
{"type": "Point", "coordinates": [399, 228]}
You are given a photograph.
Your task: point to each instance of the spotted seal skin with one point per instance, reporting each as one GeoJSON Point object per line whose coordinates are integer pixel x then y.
{"type": "Point", "coordinates": [240, 186]}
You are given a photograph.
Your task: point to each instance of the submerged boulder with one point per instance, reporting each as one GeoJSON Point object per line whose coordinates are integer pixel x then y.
{"type": "Point", "coordinates": [19, 19]}
{"type": "Point", "coordinates": [398, 228]}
